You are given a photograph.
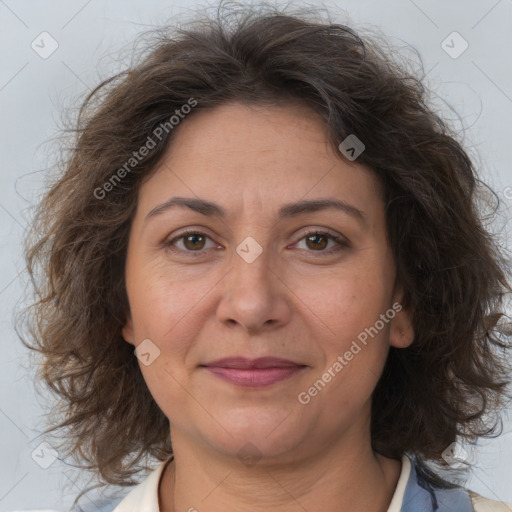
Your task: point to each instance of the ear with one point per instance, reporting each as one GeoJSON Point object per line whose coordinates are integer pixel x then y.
{"type": "Point", "coordinates": [401, 333]}
{"type": "Point", "coordinates": [127, 331]}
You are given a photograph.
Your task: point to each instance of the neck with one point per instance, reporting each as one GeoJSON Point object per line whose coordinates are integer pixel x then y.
{"type": "Point", "coordinates": [341, 479]}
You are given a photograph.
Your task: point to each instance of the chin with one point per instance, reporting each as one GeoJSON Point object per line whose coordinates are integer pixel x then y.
{"type": "Point", "coordinates": [258, 435]}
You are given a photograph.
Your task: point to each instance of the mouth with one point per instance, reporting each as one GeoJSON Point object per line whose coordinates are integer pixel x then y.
{"type": "Point", "coordinates": [255, 373]}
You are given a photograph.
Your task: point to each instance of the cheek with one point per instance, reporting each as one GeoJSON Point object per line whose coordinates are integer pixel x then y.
{"type": "Point", "coordinates": [346, 307]}
{"type": "Point", "coordinates": [163, 303]}
{"type": "Point", "coordinates": [161, 313]}
{"type": "Point", "coordinates": [346, 302]}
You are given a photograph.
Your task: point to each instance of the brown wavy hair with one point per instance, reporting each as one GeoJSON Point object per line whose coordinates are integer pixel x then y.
{"type": "Point", "coordinates": [450, 384]}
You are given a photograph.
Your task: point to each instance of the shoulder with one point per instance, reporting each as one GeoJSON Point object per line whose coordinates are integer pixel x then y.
{"type": "Point", "coordinates": [481, 504]}
{"type": "Point", "coordinates": [420, 494]}
{"type": "Point", "coordinates": [141, 497]}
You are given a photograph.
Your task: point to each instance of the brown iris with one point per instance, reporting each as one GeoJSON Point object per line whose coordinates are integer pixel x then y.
{"type": "Point", "coordinates": [317, 246]}
{"type": "Point", "coordinates": [190, 238]}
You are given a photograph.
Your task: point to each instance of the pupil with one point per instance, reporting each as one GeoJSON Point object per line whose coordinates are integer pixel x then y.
{"type": "Point", "coordinates": [190, 238]}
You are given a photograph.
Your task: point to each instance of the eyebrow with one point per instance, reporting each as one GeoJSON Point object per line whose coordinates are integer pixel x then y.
{"type": "Point", "coordinates": [289, 210]}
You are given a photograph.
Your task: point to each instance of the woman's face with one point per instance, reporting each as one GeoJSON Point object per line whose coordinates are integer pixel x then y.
{"type": "Point", "coordinates": [251, 283]}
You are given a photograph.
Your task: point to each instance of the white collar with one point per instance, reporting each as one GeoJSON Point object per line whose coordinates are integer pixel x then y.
{"type": "Point", "coordinates": [144, 496]}
{"type": "Point", "coordinates": [398, 496]}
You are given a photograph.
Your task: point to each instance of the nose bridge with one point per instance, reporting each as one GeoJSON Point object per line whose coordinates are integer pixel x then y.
{"type": "Point", "coordinates": [251, 265]}
{"type": "Point", "coordinates": [252, 295]}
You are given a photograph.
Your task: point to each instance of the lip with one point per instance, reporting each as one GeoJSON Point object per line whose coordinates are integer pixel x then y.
{"type": "Point", "coordinates": [255, 373]}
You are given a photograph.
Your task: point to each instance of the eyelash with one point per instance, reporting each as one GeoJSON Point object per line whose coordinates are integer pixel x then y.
{"type": "Point", "coordinates": [342, 243]}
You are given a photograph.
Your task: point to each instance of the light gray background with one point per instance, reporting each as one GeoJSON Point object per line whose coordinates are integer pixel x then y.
{"type": "Point", "coordinates": [34, 91]}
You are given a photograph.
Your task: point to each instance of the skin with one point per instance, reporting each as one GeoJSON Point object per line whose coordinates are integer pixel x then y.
{"type": "Point", "coordinates": [294, 301]}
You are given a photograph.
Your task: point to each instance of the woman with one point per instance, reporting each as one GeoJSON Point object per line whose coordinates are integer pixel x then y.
{"type": "Point", "coordinates": [263, 267]}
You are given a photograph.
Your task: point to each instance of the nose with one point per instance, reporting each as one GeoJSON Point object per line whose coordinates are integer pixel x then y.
{"type": "Point", "coordinates": [254, 295]}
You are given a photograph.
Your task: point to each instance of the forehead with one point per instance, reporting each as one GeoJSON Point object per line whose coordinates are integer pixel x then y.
{"type": "Point", "coordinates": [257, 158]}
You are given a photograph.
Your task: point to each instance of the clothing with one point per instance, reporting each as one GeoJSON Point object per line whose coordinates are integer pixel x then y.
{"type": "Point", "coordinates": [412, 494]}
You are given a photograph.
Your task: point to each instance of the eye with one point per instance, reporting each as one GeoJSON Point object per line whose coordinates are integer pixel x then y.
{"type": "Point", "coordinates": [318, 241]}
{"type": "Point", "coordinates": [192, 242]}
